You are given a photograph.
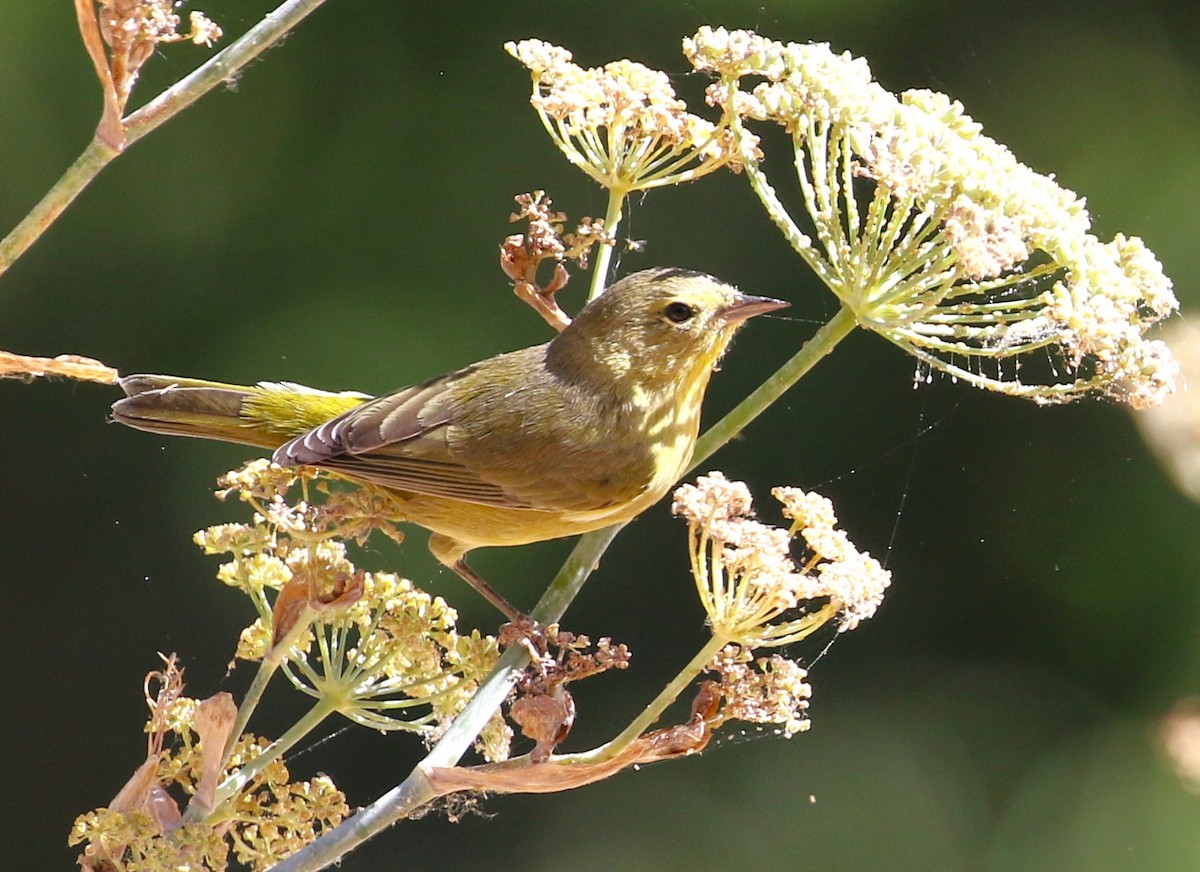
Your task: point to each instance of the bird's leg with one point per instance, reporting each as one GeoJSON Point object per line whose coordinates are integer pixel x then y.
{"type": "Point", "coordinates": [473, 578]}
{"type": "Point", "coordinates": [452, 553]}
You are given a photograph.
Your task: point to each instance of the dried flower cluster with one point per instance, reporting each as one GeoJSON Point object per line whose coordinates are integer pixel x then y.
{"type": "Point", "coordinates": [622, 123]}
{"type": "Point", "coordinates": [120, 36]}
{"type": "Point", "coordinates": [937, 238]}
{"type": "Point", "coordinates": [756, 596]}
{"type": "Point", "coordinates": [133, 28]}
{"type": "Point", "coordinates": [523, 253]}
{"type": "Point", "coordinates": [543, 706]}
{"type": "Point", "coordinates": [763, 690]}
{"type": "Point", "coordinates": [143, 827]}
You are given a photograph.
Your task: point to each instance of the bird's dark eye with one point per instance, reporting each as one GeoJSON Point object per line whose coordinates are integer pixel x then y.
{"type": "Point", "coordinates": [679, 312]}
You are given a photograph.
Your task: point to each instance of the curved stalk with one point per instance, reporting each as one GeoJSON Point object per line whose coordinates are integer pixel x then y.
{"type": "Point", "coordinates": [651, 713]}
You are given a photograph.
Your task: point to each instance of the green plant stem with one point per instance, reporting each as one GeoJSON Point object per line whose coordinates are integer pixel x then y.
{"type": "Point", "coordinates": [582, 561]}
{"type": "Point", "coordinates": [239, 779]}
{"type": "Point", "coordinates": [612, 219]}
{"type": "Point", "coordinates": [221, 67]}
{"type": "Point", "coordinates": [822, 343]}
{"type": "Point", "coordinates": [266, 670]}
{"type": "Point", "coordinates": [416, 791]}
{"type": "Point", "coordinates": [85, 168]}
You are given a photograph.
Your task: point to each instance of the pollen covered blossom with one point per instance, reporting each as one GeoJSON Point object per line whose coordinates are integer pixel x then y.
{"type": "Point", "coordinates": [367, 645]}
{"type": "Point", "coordinates": [381, 651]}
{"type": "Point", "coordinates": [936, 237]}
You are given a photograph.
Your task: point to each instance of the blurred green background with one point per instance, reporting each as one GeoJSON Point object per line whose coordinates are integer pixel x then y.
{"type": "Point", "coordinates": [333, 219]}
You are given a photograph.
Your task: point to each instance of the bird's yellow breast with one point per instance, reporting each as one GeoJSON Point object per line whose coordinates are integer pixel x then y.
{"type": "Point", "coordinates": [668, 438]}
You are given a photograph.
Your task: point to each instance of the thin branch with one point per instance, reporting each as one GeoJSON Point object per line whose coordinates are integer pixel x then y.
{"type": "Point", "coordinates": [73, 366]}
{"type": "Point", "coordinates": [220, 68]}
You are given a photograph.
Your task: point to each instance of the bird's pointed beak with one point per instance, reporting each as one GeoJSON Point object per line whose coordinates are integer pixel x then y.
{"type": "Point", "coordinates": [746, 306]}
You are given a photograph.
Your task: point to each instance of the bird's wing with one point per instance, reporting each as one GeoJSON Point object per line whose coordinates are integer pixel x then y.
{"type": "Point", "coordinates": [399, 441]}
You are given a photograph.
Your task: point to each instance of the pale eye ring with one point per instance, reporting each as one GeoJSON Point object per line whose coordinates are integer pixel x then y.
{"type": "Point", "coordinates": [678, 313]}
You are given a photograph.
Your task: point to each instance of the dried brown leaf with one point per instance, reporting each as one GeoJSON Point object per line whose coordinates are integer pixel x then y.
{"type": "Point", "coordinates": [552, 776]}
{"type": "Point", "coordinates": [214, 720]}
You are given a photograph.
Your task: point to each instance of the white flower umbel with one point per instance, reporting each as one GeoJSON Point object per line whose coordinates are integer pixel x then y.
{"type": "Point", "coordinates": [623, 125]}
{"type": "Point", "coordinates": [755, 595]}
{"type": "Point", "coordinates": [937, 238]}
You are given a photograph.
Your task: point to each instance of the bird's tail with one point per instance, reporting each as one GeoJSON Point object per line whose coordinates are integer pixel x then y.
{"type": "Point", "coordinates": [265, 415]}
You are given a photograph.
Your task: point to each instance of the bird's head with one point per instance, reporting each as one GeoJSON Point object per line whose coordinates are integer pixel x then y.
{"type": "Point", "coordinates": [664, 325]}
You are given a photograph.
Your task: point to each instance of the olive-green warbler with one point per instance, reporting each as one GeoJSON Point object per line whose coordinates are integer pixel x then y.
{"type": "Point", "coordinates": [583, 431]}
